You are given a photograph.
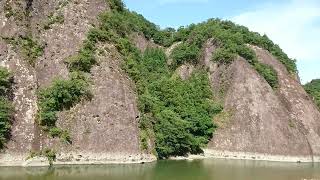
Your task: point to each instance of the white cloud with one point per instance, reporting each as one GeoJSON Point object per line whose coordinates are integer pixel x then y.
{"type": "Point", "coordinates": [295, 26]}
{"type": "Point", "coordinates": [165, 2]}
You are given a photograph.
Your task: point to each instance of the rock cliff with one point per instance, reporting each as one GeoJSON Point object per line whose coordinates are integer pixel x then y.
{"type": "Point", "coordinates": [104, 129]}
{"type": "Point", "coordinates": [258, 121]}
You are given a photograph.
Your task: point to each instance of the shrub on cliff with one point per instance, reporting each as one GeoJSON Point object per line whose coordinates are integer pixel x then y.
{"type": "Point", "coordinates": [62, 94]}
{"type": "Point", "coordinates": [164, 37]}
{"type": "Point", "coordinates": [6, 81]}
{"type": "Point", "coordinates": [5, 120]}
{"type": "Point", "coordinates": [223, 56]}
{"type": "Point", "coordinates": [29, 47]}
{"type": "Point", "coordinates": [84, 60]}
{"type": "Point", "coordinates": [247, 53]}
{"type": "Point", "coordinates": [6, 108]}
{"type": "Point", "coordinates": [116, 5]}
{"type": "Point", "coordinates": [268, 73]}
{"type": "Point", "coordinates": [185, 53]}
{"type": "Point", "coordinates": [313, 89]}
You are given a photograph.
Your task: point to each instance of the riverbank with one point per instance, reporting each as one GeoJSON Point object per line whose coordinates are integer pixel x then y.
{"type": "Point", "coordinates": [103, 158]}
{"type": "Point", "coordinates": [76, 159]}
{"type": "Point", "coordinates": [214, 154]}
{"type": "Point", "coordinates": [207, 169]}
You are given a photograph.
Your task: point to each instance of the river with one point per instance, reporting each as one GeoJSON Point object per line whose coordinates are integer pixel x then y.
{"type": "Point", "coordinates": [208, 169]}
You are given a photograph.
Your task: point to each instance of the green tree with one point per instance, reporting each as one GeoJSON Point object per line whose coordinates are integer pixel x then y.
{"type": "Point", "coordinates": [313, 89]}
{"type": "Point", "coordinates": [223, 56]}
{"type": "Point", "coordinates": [185, 53]}
{"type": "Point", "coordinates": [172, 135]}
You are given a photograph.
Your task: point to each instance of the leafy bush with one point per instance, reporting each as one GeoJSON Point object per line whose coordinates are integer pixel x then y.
{"type": "Point", "coordinates": [269, 74]}
{"type": "Point", "coordinates": [116, 5]}
{"type": "Point", "coordinates": [115, 22]}
{"type": "Point", "coordinates": [313, 89]}
{"type": "Point", "coordinates": [62, 4]}
{"type": "Point", "coordinates": [223, 56]}
{"type": "Point", "coordinates": [6, 80]}
{"type": "Point", "coordinates": [62, 134]}
{"type": "Point", "coordinates": [247, 53]}
{"type": "Point", "coordinates": [164, 37]}
{"type": "Point", "coordinates": [154, 60]}
{"type": "Point", "coordinates": [185, 53]}
{"type": "Point", "coordinates": [9, 12]}
{"type": "Point", "coordinates": [95, 35]}
{"type": "Point", "coordinates": [123, 23]}
{"type": "Point", "coordinates": [84, 60]}
{"type": "Point", "coordinates": [62, 94]}
{"type": "Point", "coordinates": [30, 48]}
{"type": "Point", "coordinates": [48, 153]}
{"type": "Point", "coordinates": [6, 108]}
{"type": "Point", "coordinates": [52, 19]}
{"type": "Point", "coordinates": [181, 34]}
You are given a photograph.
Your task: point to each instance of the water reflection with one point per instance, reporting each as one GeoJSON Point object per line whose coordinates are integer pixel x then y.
{"type": "Point", "coordinates": [210, 169]}
{"type": "Point", "coordinates": [261, 170]}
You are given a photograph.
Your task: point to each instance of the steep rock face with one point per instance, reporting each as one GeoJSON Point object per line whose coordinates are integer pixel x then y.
{"type": "Point", "coordinates": [13, 21]}
{"type": "Point", "coordinates": [62, 40]}
{"type": "Point", "coordinates": [24, 100]}
{"type": "Point", "coordinates": [261, 120]}
{"type": "Point", "coordinates": [104, 129]}
{"type": "Point", "coordinates": [142, 43]}
{"type": "Point", "coordinates": [25, 83]}
{"type": "Point", "coordinates": [302, 110]}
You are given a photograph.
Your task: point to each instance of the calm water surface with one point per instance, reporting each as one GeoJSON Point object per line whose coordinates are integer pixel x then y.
{"type": "Point", "coordinates": [209, 169]}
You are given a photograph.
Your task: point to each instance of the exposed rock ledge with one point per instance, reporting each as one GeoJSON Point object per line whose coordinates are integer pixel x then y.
{"type": "Point", "coordinates": [249, 156]}
{"type": "Point", "coordinates": [77, 159]}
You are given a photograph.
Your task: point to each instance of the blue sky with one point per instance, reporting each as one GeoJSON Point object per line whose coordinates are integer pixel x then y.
{"type": "Point", "coordinates": [293, 24]}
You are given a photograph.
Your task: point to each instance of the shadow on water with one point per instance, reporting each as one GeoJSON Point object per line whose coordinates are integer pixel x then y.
{"type": "Point", "coordinates": [209, 169]}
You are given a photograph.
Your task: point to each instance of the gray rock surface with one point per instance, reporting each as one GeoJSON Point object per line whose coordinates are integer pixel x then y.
{"type": "Point", "coordinates": [280, 122]}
